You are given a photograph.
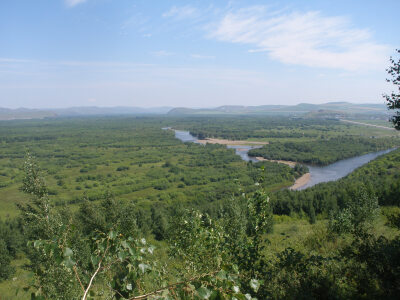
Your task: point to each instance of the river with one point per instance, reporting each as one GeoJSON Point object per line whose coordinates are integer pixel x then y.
{"type": "Point", "coordinates": [327, 173]}
{"type": "Point", "coordinates": [339, 169]}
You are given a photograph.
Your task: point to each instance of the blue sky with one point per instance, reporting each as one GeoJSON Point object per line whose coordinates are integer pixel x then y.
{"type": "Point", "coordinates": [61, 53]}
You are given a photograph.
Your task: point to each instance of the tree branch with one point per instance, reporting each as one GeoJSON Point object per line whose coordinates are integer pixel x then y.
{"type": "Point", "coordinates": [171, 286]}
{"type": "Point", "coordinates": [79, 280]}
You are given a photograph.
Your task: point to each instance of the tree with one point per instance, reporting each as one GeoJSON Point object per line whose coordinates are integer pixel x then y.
{"type": "Point", "coordinates": [393, 100]}
{"type": "Point", "coordinates": [358, 215]}
{"type": "Point", "coordinates": [68, 264]}
{"type": "Point", "coordinates": [5, 261]}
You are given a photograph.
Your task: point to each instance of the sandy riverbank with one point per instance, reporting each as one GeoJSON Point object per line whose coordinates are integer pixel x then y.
{"type": "Point", "coordinates": [301, 181]}
{"type": "Point", "coordinates": [286, 162]}
{"type": "Point", "coordinates": [230, 142]}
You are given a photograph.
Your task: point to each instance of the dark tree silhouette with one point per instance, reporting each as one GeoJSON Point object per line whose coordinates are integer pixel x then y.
{"type": "Point", "coordinates": [393, 100]}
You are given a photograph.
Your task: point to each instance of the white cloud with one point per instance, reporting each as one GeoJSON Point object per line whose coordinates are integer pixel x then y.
{"type": "Point", "coordinates": [181, 13]}
{"type": "Point", "coordinates": [308, 39]}
{"type": "Point", "coordinates": [72, 3]}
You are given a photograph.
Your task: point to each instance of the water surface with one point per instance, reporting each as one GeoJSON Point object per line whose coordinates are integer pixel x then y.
{"type": "Point", "coordinates": [240, 150]}
{"type": "Point", "coordinates": [327, 173]}
{"type": "Point", "coordinates": [340, 168]}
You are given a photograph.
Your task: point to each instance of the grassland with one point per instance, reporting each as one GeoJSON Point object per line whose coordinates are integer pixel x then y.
{"type": "Point", "coordinates": [148, 169]}
{"type": "Point", "coordinates": [132, 158]}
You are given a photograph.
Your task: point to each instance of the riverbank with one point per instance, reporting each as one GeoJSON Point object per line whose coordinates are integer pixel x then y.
{"type": "Point", "coordinates": [286, 162]}
{"type": "Point", "coordinates": [229, 142]}
{"type": "Point", "coordinates": [301, 181]}
{"type": "Point", "coordinates": [320, 174]}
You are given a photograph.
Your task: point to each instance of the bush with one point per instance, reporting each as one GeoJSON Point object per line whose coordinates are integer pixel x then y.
{"type": "Point", "coordinates": [122, 168]}
{"type": "Point", "coordinates": [6, 270]}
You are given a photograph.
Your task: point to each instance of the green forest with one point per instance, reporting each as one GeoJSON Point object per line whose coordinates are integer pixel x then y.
{"type": "Point", "coordinates": [117, 208]}
{"type": "Point", "coordinates": [323, 152]}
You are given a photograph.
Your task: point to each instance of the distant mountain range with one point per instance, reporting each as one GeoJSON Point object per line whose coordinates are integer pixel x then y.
{"type": "Point", "coordinates": [26, 113]}
{"type": "Point", "coordinates": [326, 110]}
{"type": "Point", "coordinates": [117, 110]}
{"type": "Point", "coordinates": [331, 109]}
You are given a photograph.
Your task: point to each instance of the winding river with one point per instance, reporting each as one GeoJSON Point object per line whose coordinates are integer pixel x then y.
{"type": "Point", "coordinates": [339, 169]}
{"type": "Point", "coordinates": [327, 173]}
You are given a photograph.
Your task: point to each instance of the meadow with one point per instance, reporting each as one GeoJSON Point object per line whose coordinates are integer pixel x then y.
{"type": "Point", "coordinates": [202, 207]}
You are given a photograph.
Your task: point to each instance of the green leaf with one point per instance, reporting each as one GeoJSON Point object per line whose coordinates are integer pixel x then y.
{"type": "Point", "coordinates": [143, 267]}
{"type": "Point", "coordinates": [191, 287]}
{"type": "Point", "coordinates": [129, 266]}
{"type": "Point", "coordinates": [58, 259]}
{"type": "Point", "coordinates": [121, 255]}
{"type": "Point", "coordinates": [112, 235]}
{"type": "Point", "coordinates": [94, 260]}
{"type": "Point", "coordinates": [68, 262]}
{"type": "Point", "coordinates": [203, 293]}
{"type": "Point", "coordinates": [255, 285]}
{"type": "Point", "coordinates": [221, 275]}
{"type": "Point", "coordinates": [124, 244]}
{"type": "Point", "coordinates": [68, 252]}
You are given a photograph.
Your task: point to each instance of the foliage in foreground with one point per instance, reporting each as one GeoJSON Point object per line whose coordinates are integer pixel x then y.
{"type": "Point", "coordinates": [393, 100]}
{"type": "Point", "coordinates": [99, 252]}
{"type": "Point", "coordinates": [69, 264]}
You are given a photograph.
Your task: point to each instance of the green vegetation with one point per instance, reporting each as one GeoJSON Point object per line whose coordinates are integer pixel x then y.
{"type": "Point", "coordinates": [269, 129]}
{"type": "Point", "coordinates": [380, 177]}
{"type": "Point", "coordinates": [132, 158]}
{"type": "Point", "coordinates": [393, 100]}
{"type": "Point", "coordinates": [123, 210]}
{"type": "Point", "coordinates": [323, 152]}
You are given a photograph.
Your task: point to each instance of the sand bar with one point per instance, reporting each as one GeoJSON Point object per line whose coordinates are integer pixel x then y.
{"type": "Point", "coordinates": [301, 181]}
{"type": "Point", "coordinates": [229, 142]}
{"type": "Point", "coordinates": [286, 162]}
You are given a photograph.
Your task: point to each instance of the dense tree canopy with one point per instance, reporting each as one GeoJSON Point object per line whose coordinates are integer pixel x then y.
{"type": "Point", "coordinates": [393, 100]}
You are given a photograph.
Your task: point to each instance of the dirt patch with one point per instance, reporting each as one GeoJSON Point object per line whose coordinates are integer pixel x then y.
{"type": "Point", "coordinates": [301, 181]}
{"type": "Point", "coordinates": [229, 142]}
{"type": "Point", "coordinates": [286, 162]}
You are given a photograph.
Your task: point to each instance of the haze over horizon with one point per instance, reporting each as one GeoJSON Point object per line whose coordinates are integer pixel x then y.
{"type": "Point", "coordinates": [66, 53]}
{"type": "Point", "coordinates": [190, 107]}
